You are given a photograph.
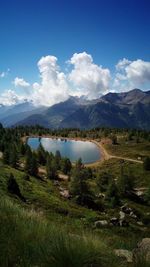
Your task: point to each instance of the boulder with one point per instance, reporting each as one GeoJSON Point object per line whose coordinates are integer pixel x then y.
{"type": "Point", "coordinates": [133, 215]}
{"type": "Point", "coordinates": [140, 223]}
{"type": "Point", "coordinates": [142, 252]}
{"type": "Point", "coordinates": [123, 253]}
{"type": "Point", "coordinates": [114, 221]}
{"type": "Point", "coordinates": [122, 215]}
{"type": "Point", "coordinates": [126, 209]}
{"type": "Point", "coordinates": [101, 223]}
{"type": "Point", "coordinates": [65, 193]}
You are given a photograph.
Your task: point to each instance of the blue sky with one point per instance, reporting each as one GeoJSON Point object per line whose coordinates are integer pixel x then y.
{"type": "Point", "coordinates": [107, 30]}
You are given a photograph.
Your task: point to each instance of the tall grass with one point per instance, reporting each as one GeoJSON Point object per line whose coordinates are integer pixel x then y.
{"type": "Point", "coordinates": [26, 240]}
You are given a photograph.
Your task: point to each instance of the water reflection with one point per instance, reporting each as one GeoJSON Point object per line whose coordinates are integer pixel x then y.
{"type": "Point", "coordinates": [88, 151]}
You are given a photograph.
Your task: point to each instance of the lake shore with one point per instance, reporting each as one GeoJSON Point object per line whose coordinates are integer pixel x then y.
{"type": "Point", "coordinates": [104, 154]}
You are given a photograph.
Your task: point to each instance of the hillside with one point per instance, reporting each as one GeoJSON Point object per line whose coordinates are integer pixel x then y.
{"type": "Point", "coordinates": [52, 229]}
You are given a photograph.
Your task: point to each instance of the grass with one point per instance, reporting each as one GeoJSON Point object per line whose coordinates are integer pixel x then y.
{"type": "Point", "coordinates": [129, 149]}
{"type": "Point", "coordinates": [27, 239]}
{"type": "Point", "coordinates": [48, 230]}
{"type": "Point", "coordinates": [113, 166]}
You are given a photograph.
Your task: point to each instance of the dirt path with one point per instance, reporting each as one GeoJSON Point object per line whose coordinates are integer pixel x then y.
{"type": "Point", "coordinates": [107, 156]}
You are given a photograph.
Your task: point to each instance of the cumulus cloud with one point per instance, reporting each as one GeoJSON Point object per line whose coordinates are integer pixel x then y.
{"type": "Point", "coordinates": [3, 74]}
{"type": "Point", "coordinates": [122, 64]}
{"type": "Point", "coordinates": [9, 98]}
{"type": "Point", "coordinates": [131, 74]}
{"type": "Point", "coordinates": [88, 78]}
{"type": "Point", "coordinates": [53, 87]}
{"type": "Point", "coordinates": [20, 82]}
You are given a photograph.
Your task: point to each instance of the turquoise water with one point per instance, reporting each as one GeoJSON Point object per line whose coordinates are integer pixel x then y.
{"type": "Point", "coordinates": [88, 151]}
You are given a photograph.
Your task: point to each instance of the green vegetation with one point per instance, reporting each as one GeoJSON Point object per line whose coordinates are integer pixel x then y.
{"type": "Point", "coordinates": [49, 209]}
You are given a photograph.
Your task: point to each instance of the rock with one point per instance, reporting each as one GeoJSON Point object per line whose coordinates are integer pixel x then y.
{"type": "Point", "coordinates": [126, 209]}
{"type": "Point", "coordinates": [140, 223]}
{"type": "Point", "coordinates": [123, 253]}
{"type": "Point", "coordinates": [101, 195]}
{"type": "Point", "coordinates": [132, 215]}
{"type": "Point", "coordinates": [122, 220]}
{"type": "Point", "coordinates": [99, 224]}
{"type": "Point", "coordinates": [142, 252]}
{"type": "Point", "coordinates": [123, 223]}
{"type": "Point", "coordinates": [65, 193]}
{"type": "Point", "coordinates": [114, 221]}
{"type": "Point", "coordinates": [122, 215]}
{"type": "Point", "coordinates": [56, 183]}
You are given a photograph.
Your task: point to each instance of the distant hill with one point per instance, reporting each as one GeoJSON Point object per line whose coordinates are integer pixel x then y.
{"type": "Point", "coordinates": [130, 109]}
{"type": "Point", "coordinates": [10, 115]}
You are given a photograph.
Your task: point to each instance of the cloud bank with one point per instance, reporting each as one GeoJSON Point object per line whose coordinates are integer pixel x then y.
{"type": "Point", "coordinates": [83, 78]}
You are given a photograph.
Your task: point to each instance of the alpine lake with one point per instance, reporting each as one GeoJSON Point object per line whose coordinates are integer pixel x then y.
{"type": "Point", "coordinates": [88, 151]}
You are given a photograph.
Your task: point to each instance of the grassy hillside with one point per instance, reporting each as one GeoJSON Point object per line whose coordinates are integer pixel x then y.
{"type": "Point", "coordinates": [40, 227]}
{"type": "Point", "coordinates": [46, 219]}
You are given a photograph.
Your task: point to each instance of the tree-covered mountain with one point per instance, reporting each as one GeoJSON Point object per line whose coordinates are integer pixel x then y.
{"type": "Point", "coordinates": [129, 109]}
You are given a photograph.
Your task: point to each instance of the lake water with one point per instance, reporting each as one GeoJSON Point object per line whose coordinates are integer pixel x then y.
{"type": "Point", "coordinates": [88, 151]}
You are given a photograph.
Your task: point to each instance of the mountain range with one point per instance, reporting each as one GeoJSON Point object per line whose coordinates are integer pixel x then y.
{"type": "Point", "coordinates": [123, 110]}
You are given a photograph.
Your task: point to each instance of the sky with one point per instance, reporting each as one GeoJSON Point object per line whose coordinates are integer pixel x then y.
{"type": "Point", "coordinates": [50, 49]}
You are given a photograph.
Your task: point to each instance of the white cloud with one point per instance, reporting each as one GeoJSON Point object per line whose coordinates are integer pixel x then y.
{"type": "Point", "coordinates": [9, 97]}
{"type": "Point", "coordinates": [53, 87]}
{"type": "Point", "coordinates": [132, 74]}
{"type": "Point", "coordinates": [122, 64]}
{"type": "Point", "coordinates": [3, 74]}
{"type": "Point", "coordinates": [20, 82]}
{"type": "Point", "coordinates": [88, 78]}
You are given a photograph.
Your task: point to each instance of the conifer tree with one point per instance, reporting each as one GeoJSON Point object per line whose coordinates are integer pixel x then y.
{"type": "Point", "coordinates": [6, 156]}
{"type": "Point", "coordinates": [66, 165]}
{"type": "Point", "coordinates": [51, 168]}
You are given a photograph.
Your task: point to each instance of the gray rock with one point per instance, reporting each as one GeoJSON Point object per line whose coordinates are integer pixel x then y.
{"type": "Point", "coordinates": [101, 223]}
{"type": "Point", "coordinates": [126, 209]}
{"type": "Point", "coordinates": [123, 253]}
{"type": "Point", "coordinates": [142, 252]}
{"type": "Point", "coordinates": [65, 193]}
{"type": "Point", "coordinates": [140, 223]}
{"type": "Point", "coordinates": [114, 221]}
{"type": "Point", "coordinates": [122, 215]}
{"type": "Point", "coordinates": [132, 215]}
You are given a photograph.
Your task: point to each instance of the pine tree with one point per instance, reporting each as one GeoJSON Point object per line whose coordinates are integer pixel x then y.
{"type": "Point", "coordinates": [58, 159]}
{"type": "Point", "coordinates": [13, 157]}
{"type": "Point", "coordinates": [41, 155]}
{"type": "Point", "coordinates": [79, 187]}
{"type": "Point", "coordinates": [13, 187]}
{"type": "Point", "coordinates": [146, 164]}
{"type": "Point", "coordinates": [66, 165]}
{"type": "Point", "coordinates": [112, 195]}
{"type": "Point", "coordinates": [51, 168]}
{"type": "Point", "coordinates": [31, 164]}
{"type": "Point", "coordinates": [102, 180]}
{"type": "Point", "coordinates": [34, 165]}
{"type": "Point", "coordinates": [6, 156]}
